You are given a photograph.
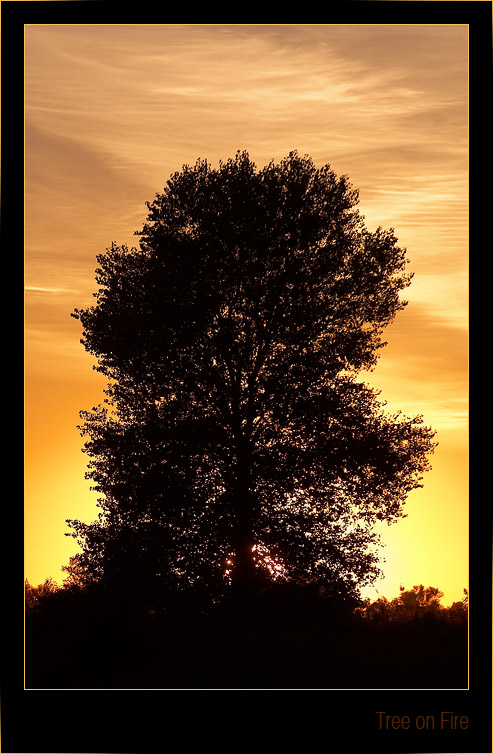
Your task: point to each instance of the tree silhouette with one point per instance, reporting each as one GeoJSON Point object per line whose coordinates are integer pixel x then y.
{"type": "Point", "coordinates": [35, 596]}
{"type": "Point", "coordinates": [234, 442]}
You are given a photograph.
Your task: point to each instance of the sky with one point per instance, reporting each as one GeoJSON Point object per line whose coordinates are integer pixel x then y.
{"type": "Point", "coordinates": [112, 110]}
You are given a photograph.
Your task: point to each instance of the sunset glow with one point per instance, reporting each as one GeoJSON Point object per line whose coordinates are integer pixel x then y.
{"type": "Point", "coordinates": [112, 110]}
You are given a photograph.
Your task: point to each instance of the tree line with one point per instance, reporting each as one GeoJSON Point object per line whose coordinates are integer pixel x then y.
{"type": "Point", "coordinates": [413, 604]}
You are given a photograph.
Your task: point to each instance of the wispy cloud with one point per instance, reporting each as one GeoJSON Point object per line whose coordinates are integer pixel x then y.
{"type": "Point", "coordinates": [44, 289]}
{"type": "Point", "coordinates": [113, 110]}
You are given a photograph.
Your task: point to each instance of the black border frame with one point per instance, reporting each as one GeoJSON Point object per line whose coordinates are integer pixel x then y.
{"type": "Point", "coordinates": [154, 721]}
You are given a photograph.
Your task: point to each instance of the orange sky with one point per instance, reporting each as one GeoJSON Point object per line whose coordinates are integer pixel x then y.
{"type": "Point", "coordinates": [112, 110]}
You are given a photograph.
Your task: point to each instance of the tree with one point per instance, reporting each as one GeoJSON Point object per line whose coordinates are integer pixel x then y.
{"type": "Point", "coordinates": [458, 611]}
{"type": "Point", "coordinates": [37, 596]}
{"type": "Point", "coordinates": [420, 601]}
{"type": "Point", "coordinates": [235, 439]}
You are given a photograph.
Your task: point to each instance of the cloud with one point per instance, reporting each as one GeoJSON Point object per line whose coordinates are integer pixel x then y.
{"type": "Point", "coordinates": [142, 92]}
{"type": "Point", "coordinates": [40, 289]}
{"type": "Point", "coordinates": [423, 369]}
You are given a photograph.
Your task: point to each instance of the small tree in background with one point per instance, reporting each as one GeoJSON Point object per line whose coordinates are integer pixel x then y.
{"type": "Point", "coordinates": [36, 596]}
{"type": "Point", "coordinates": [420, 601]}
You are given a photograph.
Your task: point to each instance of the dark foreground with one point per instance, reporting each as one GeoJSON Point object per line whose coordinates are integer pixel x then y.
{"type": "Point", "coordinates": [255, 649]}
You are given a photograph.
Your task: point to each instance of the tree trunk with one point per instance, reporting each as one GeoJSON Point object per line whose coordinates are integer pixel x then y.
{"type": "Point", "coordinates": [244, 576]}
{"type": "Point", "coordinates": [244, 570]}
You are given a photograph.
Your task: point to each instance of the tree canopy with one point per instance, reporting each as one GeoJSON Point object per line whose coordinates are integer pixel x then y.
{"type": "Point", "coordinates": [235, 439]}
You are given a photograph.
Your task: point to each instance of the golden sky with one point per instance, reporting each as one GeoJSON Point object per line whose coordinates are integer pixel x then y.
{"type": "Point", "coordinates": [112, 110]}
